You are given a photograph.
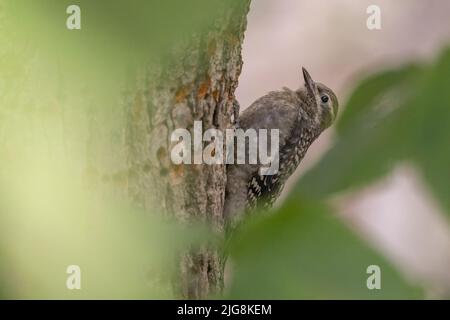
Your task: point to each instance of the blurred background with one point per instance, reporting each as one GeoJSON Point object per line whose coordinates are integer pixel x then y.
{"type": "Point", "coordinates": [397, 213]}
{"type": "Point", "coordinates": [372, 190]}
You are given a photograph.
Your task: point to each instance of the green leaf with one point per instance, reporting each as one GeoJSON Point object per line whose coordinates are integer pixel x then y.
{"type": "Point", "coordinates": [400, 115]}
{"type": "Point", "coordinates": [369, 93]}
{"type": "Point", "coordinates": [49, 220]}
{"type": "Point", "coordinates": [304, 252]}
{"type": "Point", "coordinates": [431, 130]}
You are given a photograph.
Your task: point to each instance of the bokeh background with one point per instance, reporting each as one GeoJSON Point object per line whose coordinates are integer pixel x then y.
{"type": "Point", "coordinates": [397, 213]}
{"type": "Point", "coordinates": [373, 189]}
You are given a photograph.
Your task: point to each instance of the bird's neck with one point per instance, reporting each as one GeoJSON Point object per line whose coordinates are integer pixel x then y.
{"type": "Point", "coordinates": [308, 104]}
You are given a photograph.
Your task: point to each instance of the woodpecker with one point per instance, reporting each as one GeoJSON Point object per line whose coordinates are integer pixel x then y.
{"type": "Point", "coordinates": [300, 116]}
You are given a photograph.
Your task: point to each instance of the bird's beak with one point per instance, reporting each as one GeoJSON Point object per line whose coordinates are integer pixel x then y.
{"type": "Point", "coordinates": [309, 83]}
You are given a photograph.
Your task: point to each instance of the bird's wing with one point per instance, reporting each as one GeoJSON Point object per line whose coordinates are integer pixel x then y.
{"type": "Point", "coordinates": [263, 191]}
{"type": "Point", "coordinates": [277, 110]}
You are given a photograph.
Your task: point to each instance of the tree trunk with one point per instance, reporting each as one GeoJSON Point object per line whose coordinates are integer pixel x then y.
{"type": "Point", "coordinates": [197, 83]}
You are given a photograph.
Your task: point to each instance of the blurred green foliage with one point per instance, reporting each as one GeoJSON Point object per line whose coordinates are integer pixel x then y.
{"type": "Point", "coordinates": [53, 82]}
{"type": "Point", "coordinates": [62, 97]}
{"type": "Point", "coordinates": [394, 116]}
{"type": "Point", "coordinates": [304, 250]}
{"type": "Point", "coordinates": [52, 217]}
{"type": "Point", "coordinates": [117, 40]}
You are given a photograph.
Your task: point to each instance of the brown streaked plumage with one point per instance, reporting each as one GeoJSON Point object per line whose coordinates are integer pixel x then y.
{"type": "Point", "coordinates": [300, 116]}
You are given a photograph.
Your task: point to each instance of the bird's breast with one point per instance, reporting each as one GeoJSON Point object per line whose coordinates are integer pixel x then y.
{"type": "Point", "coordinates": [295, 149]}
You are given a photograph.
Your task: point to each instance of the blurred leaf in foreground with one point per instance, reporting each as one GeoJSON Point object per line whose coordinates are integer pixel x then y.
{"type": "Point", "coordinates": [304, 252]}
{"type": "Point", "coordinates": [50, 220]}
{"type": "Point", "coordinates": [431, 131]}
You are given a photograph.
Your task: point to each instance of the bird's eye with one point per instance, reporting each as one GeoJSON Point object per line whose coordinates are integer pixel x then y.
{"type": "Point", "coordinates": [324, 99]}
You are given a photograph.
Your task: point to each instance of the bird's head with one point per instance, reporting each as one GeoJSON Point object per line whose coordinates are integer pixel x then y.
{"type": "Point", "coordinates": [324, 102]}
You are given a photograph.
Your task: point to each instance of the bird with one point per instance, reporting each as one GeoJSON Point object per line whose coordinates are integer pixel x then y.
{"type": "Point", "coordinates": [300, 116]}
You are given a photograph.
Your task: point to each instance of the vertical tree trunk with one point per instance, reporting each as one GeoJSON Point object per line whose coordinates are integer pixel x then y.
{"type": "Point", "coordinates": [197, 83]}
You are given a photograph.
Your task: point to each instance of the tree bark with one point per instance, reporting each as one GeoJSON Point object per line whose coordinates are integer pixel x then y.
{"type": "Point", "coordinates": [197, 83]}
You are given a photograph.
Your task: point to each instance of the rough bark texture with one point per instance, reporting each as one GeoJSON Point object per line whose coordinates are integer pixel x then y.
{"type": "Point", "coordinates": [198, 83]}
